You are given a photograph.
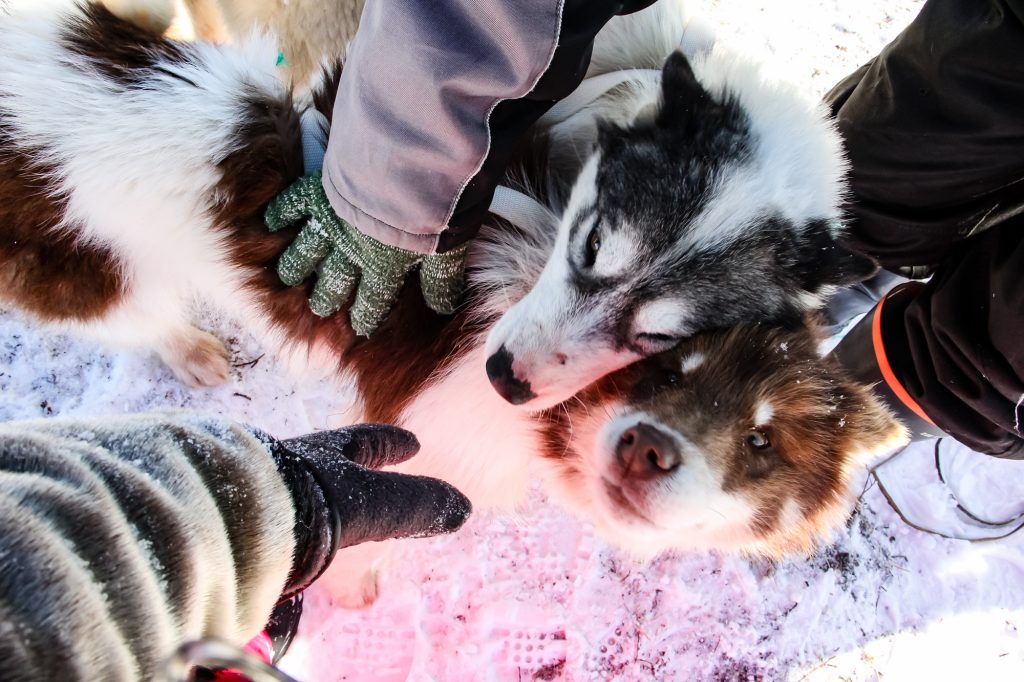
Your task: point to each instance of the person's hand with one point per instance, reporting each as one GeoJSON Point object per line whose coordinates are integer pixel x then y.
{"type": "Point", "coordinates": [341, 500]}
{"type": "Point", "coordinates": [345, 259]}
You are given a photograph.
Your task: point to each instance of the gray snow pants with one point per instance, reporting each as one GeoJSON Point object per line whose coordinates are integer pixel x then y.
{"type": "Point", "coordinates": [434, 98]}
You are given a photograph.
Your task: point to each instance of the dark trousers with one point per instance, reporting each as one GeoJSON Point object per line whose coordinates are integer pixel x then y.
{"type": "Point", "coordinates": [934, 128]}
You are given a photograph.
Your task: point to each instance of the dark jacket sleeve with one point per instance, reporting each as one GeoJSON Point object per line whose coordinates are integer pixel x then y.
{"type": "Point", "coordinates": [934, 129]}
{"type": "Point", "coordinates": [956, 344]}
{"type": "Point", "coordinates": [122, 538]}
{"type": "Point", "coordinates": [434, 98]}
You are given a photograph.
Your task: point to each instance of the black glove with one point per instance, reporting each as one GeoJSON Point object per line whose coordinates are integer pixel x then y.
{"type": "Point", "coordinates": [340, 499]}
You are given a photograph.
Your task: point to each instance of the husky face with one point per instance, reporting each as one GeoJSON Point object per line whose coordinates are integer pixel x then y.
{"type": "Point", "coordinates": [675, 225]}
{"type": "Point", "coordinates": [742, 439]}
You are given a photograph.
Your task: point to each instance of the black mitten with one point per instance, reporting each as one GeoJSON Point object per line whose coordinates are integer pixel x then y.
{"type": "Point", "coordinates": [341, 500]}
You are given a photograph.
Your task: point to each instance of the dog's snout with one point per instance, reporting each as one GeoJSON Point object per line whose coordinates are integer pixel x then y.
{"type": "Point", "coordinates": [646, 451]}
{"type": "Point", "coordinates": [503, 378]}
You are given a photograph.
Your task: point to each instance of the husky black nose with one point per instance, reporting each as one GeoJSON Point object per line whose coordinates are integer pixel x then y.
{"type": "Point", "coordinates": [499, 371]}
{"type": "Point", "coordinates": [646, 451]}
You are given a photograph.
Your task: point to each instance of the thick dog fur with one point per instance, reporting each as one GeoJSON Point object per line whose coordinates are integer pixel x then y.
{"type": "Point", "coordinates": [135, 181]}
{"type": "Point", "coordinates": [710, 198]}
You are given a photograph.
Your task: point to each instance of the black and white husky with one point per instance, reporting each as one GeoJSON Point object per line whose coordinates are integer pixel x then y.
{"type": "Point", "coordinates": [133, 176]}
{"type": "Point", "coordinates": [710, 197]}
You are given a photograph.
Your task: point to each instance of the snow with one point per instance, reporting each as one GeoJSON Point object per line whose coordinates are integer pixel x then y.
{"type": "Point", "coordinates": [539, 597]}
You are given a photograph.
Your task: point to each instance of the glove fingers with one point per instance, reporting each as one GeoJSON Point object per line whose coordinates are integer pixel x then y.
{"type": "Point", "coordinates": [370, 445]}
{"type": "Point", "coordinates": [337, 278]}
{"type": "Point", "coordinates": [291, 205]}
{"type": "Point", "coordinates": [300, 259]}
{"type": "Point", "coordinates": [442, 281]}
{"type": "Point", "coordinates": [377, 505]}
{"type": "Point", "coordinates": [374, 300]}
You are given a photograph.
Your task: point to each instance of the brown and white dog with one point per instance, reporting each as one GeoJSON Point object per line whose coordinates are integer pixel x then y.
{"type": "Point", "coordinates": [133, 176]}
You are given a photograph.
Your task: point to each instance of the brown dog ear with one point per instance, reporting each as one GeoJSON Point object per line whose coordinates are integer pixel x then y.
{"type": "Point", "coordinates": [868, 428]}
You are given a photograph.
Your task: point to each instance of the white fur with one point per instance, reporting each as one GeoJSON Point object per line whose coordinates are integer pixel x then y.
{"type": "Point", "coordinates": [642, 40]}
{"type": "Point", "coordinates": [156, 150]}
{"type": "Point", "coordinates": [791, 516]}
{"type": "Point", "coordinates": [797, 167]}
{"type": "Point", "coordinates": [616, 254]}
{"type": "Point", "coordinates": [686, 509]}
{"type": "Point", "coordinates": [692, 362]}
{"type": "Point", "coordinates": [471, 438]}
{"type": "Point", "coordinates": [798, 150]}
{"type": "Point", "coordinates": [138, 171]}
{"type": "Point", "coordinates": [544, 324]}
{"type": "Point", "coordinates": [765, 412]}
{"type": "Point", "coordinates": [795, 171]}
{"type": "Point", "coordinates": [662, 316]}
{"type": "Point", "coordinates": [484, 446]}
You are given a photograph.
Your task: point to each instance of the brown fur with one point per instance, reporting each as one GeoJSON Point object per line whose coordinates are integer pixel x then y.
{"type": "Point", "coordinates": [43, 267]}
{"type": "Point", "coordinates": [821, 418]}
{"type": "Point", "coordinates": [821, 421]}
{"type": "Point", "coordinates": [122, 51]}
{"type": "Point", "coordinates": [270, 159]}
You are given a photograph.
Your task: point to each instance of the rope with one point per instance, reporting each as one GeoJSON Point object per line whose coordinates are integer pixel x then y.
{"type": "Point", "coordinates": [966, 516]}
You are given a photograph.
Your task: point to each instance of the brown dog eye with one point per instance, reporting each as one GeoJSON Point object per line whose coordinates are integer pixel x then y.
{"type": "Point", "coordinates": [758, 440]}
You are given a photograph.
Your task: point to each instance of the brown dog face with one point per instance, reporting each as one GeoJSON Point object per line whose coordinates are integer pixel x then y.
{"type": "Point", "coordinates": [742, 439]}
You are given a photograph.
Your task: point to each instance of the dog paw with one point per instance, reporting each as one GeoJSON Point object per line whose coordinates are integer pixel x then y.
{"type": "Point", "coordinates": [360, 593]}
{"type": "Point", "coordinates": [198, 359]}
{"type": "Point", "coordinates": [352, 578]}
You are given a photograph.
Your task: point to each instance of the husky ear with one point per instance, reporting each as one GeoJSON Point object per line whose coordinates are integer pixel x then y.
{"type": "Point", "coordinates": [609, 137]}
{"type": "Point", "coordinates": [825, 260]}
{"type": "Point", "coordinates": [682, 96]}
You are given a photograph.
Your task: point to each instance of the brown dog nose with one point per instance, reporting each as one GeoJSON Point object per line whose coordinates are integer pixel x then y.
{"type": "Point", "coordinates": [646, 451]}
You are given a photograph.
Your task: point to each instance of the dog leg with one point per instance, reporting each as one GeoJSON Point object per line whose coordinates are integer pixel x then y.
{"type": "Point", "coordinates": [152, 15]}
{"type": "Point", "coordinates": [207, 20]}
{"type": "Point", "coordinates": [197, 358]}
{"type": "Point", "coordinates": [352, 578]}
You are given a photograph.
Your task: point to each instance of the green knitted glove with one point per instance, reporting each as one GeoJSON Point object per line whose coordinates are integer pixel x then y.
{"type": "Point", "coordinates": [343, 256]}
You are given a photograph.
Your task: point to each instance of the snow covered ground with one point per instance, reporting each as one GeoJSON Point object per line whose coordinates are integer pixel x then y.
{"type": "Point", "coordinates": [539, 598]}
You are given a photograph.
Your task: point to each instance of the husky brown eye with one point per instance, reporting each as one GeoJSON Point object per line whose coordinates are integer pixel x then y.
{"type": "Point", "coordinates": [758, 440]}
{"type": "Point", "coordinates": [593, 246]}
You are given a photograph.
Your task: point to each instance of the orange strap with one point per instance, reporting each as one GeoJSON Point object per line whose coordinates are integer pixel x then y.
{"type": "Point", "coordinates": [883, 364]}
